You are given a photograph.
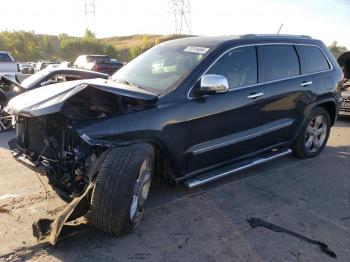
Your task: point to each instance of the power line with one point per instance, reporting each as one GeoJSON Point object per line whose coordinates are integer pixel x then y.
{"type": "Point", "coordinates": [90, 12]}
{"type": "Point", "coordinates": [181, 10]}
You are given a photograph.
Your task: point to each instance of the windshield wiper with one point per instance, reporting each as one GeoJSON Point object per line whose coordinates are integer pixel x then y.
{"type": "Point", "coordinates": [125, 82]}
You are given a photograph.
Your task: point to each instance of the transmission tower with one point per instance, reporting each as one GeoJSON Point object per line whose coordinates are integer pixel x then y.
{"type": "Point", "coordinates": [90, 20]}
{"type": "Point", "coordinates": [181, 10]}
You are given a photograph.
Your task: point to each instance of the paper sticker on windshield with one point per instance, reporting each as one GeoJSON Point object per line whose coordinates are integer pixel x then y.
{"type": "Point", "coordinates": [196, 49]}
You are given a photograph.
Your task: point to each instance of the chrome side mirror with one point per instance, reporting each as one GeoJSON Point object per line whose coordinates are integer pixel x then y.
{"type": "Point", "coordinates": [213, 84]}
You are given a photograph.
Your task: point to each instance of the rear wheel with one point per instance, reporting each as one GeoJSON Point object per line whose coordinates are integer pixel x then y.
{"type": "Point", "coordinates": [314, 134]}
{"type": "Point", "coordinates": [122, 187]}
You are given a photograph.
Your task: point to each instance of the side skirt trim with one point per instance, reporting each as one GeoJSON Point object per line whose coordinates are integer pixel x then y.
{"type": "Point", "coordinates": [239, 137]}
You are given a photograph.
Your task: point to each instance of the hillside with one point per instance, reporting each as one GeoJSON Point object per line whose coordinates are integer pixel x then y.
{"type": "Point", "coordinates": [121, 42]}
{"type": "Point", "coordinates": [130, 46]}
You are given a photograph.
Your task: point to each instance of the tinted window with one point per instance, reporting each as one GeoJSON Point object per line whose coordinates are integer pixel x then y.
{"type": "Point", "coordinates": [5, 57]}
{"type": "Point", "coordinates": [278, 62]}
{"type": "Point", "coordinates": [239, 66]}
{"type": "Point", "coordinates": [312, 59]}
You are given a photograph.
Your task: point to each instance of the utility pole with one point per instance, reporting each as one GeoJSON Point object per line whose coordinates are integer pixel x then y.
{"type": "Point", "coordinates": [181, 10]}
{"type": "Point", "coordinates": [90, 19]}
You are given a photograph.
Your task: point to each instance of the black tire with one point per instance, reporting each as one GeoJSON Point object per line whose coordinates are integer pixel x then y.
{"type": "Point", "coordinates": [115, 184]}
{"type": "Point", "coordinates": [299, 148]}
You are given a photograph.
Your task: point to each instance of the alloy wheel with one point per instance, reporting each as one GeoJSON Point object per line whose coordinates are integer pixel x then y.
{"type": "Point", "coordinates": [141, 190]}
{"type": "Point", "coordinates": [316, 133]}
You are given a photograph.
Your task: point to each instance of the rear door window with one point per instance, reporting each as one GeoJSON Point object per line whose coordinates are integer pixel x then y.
{"type": "Point", "coordinates": [5, 58]}
{"type": "Point", "coordinates": [277, 62]}
{"type": "Point", "coordinates": [239, 66]}
{"type": "Point", "coordinates": [312, 59]}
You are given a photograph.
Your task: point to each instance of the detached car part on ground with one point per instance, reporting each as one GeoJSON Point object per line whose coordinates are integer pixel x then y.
{"type": "Point", "coordinates": [10, 88]}
{"type": "Point", "coordinates": [191, 110]}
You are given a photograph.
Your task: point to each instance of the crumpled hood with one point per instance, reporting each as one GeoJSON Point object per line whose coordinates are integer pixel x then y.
{"type": "Point", "coordinates": [50, 99]}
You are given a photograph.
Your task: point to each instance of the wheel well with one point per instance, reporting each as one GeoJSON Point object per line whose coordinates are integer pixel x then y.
{"type": "Point", "coordinates": [330, 108]}
{"type": "Point", "coordinates": [163, 163]}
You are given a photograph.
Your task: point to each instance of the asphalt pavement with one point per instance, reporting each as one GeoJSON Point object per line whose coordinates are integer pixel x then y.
{"type": "Point", "coordinates": [310, 197]}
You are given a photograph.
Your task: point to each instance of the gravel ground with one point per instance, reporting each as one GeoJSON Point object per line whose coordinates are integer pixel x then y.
{"type": "Point", "coordinates": [311, 197]}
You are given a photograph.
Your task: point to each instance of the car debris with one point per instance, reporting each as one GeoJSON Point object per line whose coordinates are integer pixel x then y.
{"type": "Point", "coordinates": [255, 222]}
{"type": "Point", "coordinates": [48, 230]}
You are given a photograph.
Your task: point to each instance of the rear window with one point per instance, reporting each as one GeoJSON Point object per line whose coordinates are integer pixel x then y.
{"type": "Point", "coordinates": [312, 59]}
{"type": "Point", "coordinates": [5, 58]}
{"type": "Point", "coordinates": [278, 62]}
{"type": "Point", "coordinates": [98, 59]}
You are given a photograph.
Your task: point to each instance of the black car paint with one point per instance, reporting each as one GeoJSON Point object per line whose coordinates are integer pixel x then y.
{"type": "Point", "coordinates": [178, 122]}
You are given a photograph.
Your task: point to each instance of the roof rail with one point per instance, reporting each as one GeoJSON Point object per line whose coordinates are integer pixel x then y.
{"type": "Point", "coordinates": [274, 35]}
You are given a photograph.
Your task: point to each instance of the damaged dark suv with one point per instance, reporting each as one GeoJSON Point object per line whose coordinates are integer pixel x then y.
{"type": "Point", "coordinates": [191, 111]}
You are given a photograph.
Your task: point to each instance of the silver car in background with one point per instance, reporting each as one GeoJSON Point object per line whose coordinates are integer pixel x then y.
{"type": "Point", "coordinates": [8, 63]}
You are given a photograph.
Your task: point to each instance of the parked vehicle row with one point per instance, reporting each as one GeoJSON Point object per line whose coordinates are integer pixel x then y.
{"type": "Point", "coordinates": [191, 110]}
{"type": "Point", "coordinates": [26, 68]}
{"type": "Point", "coordinates": [344, 62]}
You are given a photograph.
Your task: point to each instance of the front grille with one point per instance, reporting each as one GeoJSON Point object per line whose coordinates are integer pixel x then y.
{"type": "Point", "coordinates": [29, 135]}
{"type": "Point", "coordinates": [345, 104]}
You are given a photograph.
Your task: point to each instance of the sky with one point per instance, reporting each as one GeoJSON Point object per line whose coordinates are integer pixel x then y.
{"type": "Point", "coordinates": [327, 20]}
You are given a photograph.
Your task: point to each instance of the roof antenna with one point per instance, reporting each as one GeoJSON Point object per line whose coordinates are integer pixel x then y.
{"type": "Point", "coordinates": [279, 30]}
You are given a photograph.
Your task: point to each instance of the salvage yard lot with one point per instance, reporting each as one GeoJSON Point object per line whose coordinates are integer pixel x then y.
{"type": "Point", "coordinates": [311, 197]}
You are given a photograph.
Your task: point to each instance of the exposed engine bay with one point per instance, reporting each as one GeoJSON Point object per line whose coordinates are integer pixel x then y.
{"type": "Point", "coordinates": [52, 146]}
{"type": "Point", "coordinates": [92, 103]}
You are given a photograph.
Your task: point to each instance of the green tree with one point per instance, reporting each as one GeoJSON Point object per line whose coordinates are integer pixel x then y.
{"type": "Point", "coordinates": [89, 34]}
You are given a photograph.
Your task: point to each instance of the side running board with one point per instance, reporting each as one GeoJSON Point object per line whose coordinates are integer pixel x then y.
{"type": "Point", "coordinates": [218, 174]}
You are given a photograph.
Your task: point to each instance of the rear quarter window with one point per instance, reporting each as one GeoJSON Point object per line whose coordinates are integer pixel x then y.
{"type": "Point", "coordinates": [277, 62]}
{"type": "Point", "coordinates": [312, 59]}
{"type": "Point", "coordinates": [5, 58]}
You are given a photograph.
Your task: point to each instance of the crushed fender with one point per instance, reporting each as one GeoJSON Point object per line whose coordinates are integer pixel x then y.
{"type": "Point", "coordinates": [258, 222]}
{"type": "Point", "coordinates": [48, 230]}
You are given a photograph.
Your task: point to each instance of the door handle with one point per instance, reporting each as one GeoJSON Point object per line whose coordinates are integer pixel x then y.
{"type": "Point", "coordinates": [306, 83]}
{"type": "Point", "coordinates": [255, 95]}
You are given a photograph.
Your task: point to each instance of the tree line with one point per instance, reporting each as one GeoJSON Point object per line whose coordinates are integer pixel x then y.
{"type": "Point", "coordinates": [28, 46]}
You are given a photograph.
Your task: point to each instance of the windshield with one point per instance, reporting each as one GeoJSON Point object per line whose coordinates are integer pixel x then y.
{"type": "Point", "coordinates": [29, 81]}
{"type": "Point", "coordinates": [161, 68]}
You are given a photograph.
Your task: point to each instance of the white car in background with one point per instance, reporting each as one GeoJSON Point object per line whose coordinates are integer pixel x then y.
{"type": "Point", "coordinates": [7, 63]}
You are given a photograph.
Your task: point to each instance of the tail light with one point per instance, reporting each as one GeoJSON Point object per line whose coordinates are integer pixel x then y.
{"type": "Point", "coordinates": [95, 67]}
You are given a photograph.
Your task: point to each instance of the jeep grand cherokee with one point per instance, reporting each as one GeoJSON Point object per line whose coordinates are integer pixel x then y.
{"type": "Point", "coordinates": [190, 110]}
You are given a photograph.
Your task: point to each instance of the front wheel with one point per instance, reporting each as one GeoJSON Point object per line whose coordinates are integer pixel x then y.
{"type": "Point", "coordinates": [313, 135]}
{"type": "Point", "coordinates": [122, 187]}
